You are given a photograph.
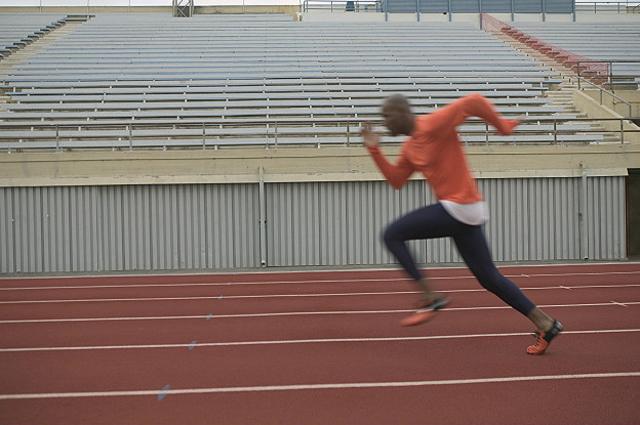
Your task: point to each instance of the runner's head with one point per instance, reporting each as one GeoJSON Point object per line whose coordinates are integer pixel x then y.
{"type": "Point", "coordinates": [397, 114]}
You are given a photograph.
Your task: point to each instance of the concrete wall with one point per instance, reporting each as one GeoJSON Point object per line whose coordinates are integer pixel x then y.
{"type": "Point", "coordinates": [293, 164]}
{"type": "Point", "coordinates": [622, 109]}
{"type": "Point", "coordinates": [587, 103]}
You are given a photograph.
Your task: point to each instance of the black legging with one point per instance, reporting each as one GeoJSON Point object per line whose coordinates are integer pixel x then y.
{"type": "Point", "coordinates": [435, 222]}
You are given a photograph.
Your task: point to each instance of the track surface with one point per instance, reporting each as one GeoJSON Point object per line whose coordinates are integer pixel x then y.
{"type": "Point", "coordinates": [317, 348]}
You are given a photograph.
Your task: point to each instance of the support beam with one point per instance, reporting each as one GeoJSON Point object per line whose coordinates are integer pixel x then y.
{"type": "Point", "coordinates": [183, 8]}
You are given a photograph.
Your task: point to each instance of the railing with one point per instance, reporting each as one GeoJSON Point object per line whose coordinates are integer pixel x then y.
{"type": "Point", "coordinates": [603, 91]}
{"type": "Point", "coordinates": [343, 5]}
{"type": "Point", "coordinates": [270, 134]}
{"type": "Point", "coordinates": [599, 71]}
{"type": "Point", "coordinates": [608, 6]}
{"type": "Point", "coordinates": [609, 73]}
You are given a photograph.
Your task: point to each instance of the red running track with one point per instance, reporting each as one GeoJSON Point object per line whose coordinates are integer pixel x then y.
{"type": "Point", "coordinates": [317, 348]}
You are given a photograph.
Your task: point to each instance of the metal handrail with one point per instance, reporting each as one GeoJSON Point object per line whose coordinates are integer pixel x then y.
{"type": "Point", "coordinates": [271, 137]}
{"type": "Point", "coordinates": [609, 67]}
{"type": "Point", "coordinates": [610, 93]}
{"type": "Point", "coordinates": [280, 121]}
{"type": "Point", "coordinates": [328, 4]}
{"type": "Point", "coordinates": [595, 4]}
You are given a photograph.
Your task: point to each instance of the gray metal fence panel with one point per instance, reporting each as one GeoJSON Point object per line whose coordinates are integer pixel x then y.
{"type": "Point", "coordinates": [527, 6]}
{"type": "Point", "coordinates": [208, 227]}
{"type": "Point", "coordinates": [531, 219]}
{"type": "Point", "coordinates": [334, 223]}
{"type": "Point", "coordinates": [606, 210]}
{"type": "Point", "coordinates": [558, 6]}
{"type": "Point", "coordinates": [474, 6]}
{"type": "Point", "coordinates": [128, 228]}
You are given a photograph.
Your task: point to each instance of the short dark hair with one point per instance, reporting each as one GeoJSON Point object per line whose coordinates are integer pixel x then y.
{"type": "Point", "coordinates": [397, 101]}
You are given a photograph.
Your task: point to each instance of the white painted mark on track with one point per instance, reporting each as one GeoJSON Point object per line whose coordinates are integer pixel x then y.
{"type": "Point", "coordinates": [316, 387]}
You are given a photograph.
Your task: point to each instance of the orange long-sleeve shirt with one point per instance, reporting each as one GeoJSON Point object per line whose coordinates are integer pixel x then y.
{"type": "Point", "coordinates": [434, 150]}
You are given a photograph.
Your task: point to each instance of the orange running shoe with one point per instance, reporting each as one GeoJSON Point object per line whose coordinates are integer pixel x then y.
{"type": "Point", "coordinates": [543, 339]}
{"type": "Point", "coordinates": [425, 313]}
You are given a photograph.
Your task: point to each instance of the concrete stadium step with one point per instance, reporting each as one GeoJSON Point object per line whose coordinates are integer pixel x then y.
{"type": "Point", "coordinates": [561, 95]}
{"type": "Point", "coordinates": [24, 54]}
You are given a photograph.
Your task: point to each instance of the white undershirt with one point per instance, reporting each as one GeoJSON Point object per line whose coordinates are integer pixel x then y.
{"type": "Point", "coordinates": [472, 214]}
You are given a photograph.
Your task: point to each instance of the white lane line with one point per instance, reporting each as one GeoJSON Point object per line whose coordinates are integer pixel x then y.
{"type": "Point", "coordinates": [620, 304]}
{"type": "Point", "coordinates": [311, 387]}
{"type": "Point", "coordinates": [306, 281]}
{"type": "Point", "coordinates": [228, 297]}
{"type": "Point", "coordinates": [285, 313]}
{"type": "Point", "coordinates": [195, 344]}
{"type": "Point", "coordinates": [364, 270]}
{"type": "Point", "coordinates": [311, 295]}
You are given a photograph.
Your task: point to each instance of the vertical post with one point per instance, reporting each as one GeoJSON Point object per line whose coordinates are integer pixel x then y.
{"type": "Point", "coordinates": [263, 218]}
{"type": "Point", "coordinates": [555, 131]}
{"type": "Point", "coordinates": [449, 9]}
{"type": "Point", "coordinates": [348, 131]}
{"type": "Point", "coordinates": [544, 11]}
{"type": "Point", "coordinates": [601, 95]}
{"type": "Point", "coordinates": [480, 12]}
{"type": "Point", "coordinates": [573, 9]}
{"type": "Point", "coordinates": [386, 10]}
{"type": "Point", "coordinates": [610, 76]}
{"type": "Point", "coordinates": [276, 134]}
{"type": "Point", "coordinates": [512, 12]}
{"type": "Point", "coordinates": [621, 131]}
{"type": "Point", "coordinates": [486, 133]}
{"type": "Point", "coordinates": [204, 136]}
{"type": "Point", "coordinates": [578, 66]}
{"type": "Point", "coordinates": [418, 10]}
{"type": "Point", "coordinates": [57, 138]}
{"type": "Point", "coordinates": [130, 137]}
{"type": "Point", "coordinates": [583, 214]}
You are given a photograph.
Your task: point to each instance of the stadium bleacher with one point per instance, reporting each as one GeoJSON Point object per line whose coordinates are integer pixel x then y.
{"type": "Point", "coordinates": [19, 30]}
{"type": "Point", "coordinates": [150, 80]}
{"type": "Point", "coordinates": [615, 44]}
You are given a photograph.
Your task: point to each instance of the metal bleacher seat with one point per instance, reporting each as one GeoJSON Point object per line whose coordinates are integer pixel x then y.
{"type": "Point", "coordinates": [616, 42]}
{"type": "Point", "coordinates": [19, 30]}
{"type": "Point", "coordinates": [150, 80]}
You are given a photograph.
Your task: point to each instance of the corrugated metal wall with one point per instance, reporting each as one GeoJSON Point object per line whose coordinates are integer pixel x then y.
{"type": "Point", "coordinates": [531, 219]}
{"type": "Point", "coordinates": [334, 223]}
{"type": "Point", "coordinates": [79, 229]}
{"type": "Point", "coordinates": [197, 227]}
{"type": "Point", "coordinates": [605, 211]}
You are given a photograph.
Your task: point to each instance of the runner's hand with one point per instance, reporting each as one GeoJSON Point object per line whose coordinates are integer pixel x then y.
{"type": "Point", "coordinates": [369, 137]}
